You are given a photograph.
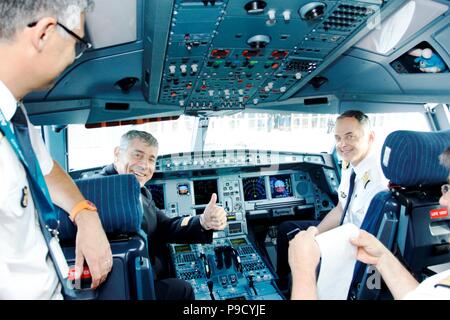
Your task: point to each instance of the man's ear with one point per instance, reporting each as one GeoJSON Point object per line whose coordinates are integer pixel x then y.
{"type": "Point", "coordinates": [116, 154]}
{"type": "Point", "coordinates": [42, 31]}
{"type": "Point", "coordinates": [372, 136]}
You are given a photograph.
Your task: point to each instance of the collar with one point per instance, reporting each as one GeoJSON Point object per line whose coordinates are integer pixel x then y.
{"type": "Point", "coordinates": [8, 104]}
{"type": "Point", "coordinates": [365, 164]}
{"type": "Point", "coordinates": [109, 170]}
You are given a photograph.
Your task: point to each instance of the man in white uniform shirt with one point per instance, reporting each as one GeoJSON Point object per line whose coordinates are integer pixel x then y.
{"type": "Point", "coordinates": [37, 42]}
{"type": "Point", "coordinates": [355, 145]}
{"type": "Point", "coordinates": [304, 255]}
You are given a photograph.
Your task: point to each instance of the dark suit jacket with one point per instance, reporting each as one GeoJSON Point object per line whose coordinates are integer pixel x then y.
{"type": "Point", "coordinates": [162, 230]}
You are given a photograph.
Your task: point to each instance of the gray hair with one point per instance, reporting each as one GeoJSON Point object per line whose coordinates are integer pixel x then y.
{"type": "Point", "coordinates": [136, 134]}
{"type": "Point", "coordinates": [444, 158]}
{"type": "Point", "coordinates": [17, 14]}
{"type": "Point", "coordinates": [360, 116]}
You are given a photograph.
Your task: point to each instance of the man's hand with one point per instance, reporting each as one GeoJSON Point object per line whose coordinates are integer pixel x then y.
{"type": "Point", "coordinates": [370, 250]}
{"type": "Point", "coordinates": [304, 256]}
{"type": "Point", "coordinates": [304, 252]}
{"type": "Point", "coordinates": [213, 217]}
{"type": "Point", "coordinates": [92, 246]}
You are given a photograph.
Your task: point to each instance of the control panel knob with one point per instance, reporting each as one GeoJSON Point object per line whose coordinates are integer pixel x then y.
{"type": "Point", "coordinates": [287, 15]}
{"type": "Point", "coordinates": [183, 69]}
{"type": "Point", "coordinates": [271, 13]}
{"type": "Point", "coordinates": [172, 69]}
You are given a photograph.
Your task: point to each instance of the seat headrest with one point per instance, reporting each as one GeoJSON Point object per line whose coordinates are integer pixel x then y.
{"type": "Point", "coordinates": [411, 158]}
{"type": "Point", "coordinates": [118, 201]}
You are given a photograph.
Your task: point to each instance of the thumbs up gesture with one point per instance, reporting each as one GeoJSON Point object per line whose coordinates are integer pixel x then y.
{"type": "Point", "coordinates": [214, 217]}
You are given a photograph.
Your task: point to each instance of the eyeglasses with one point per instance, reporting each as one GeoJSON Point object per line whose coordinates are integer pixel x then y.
{"type": "Point", "coordinates": [444, 188]}
{"type": "Point", "coordinates": [80, 46]}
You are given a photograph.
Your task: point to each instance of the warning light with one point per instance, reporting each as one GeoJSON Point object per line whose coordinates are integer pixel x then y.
{"type": "Point", "coordinates": [220, 54]}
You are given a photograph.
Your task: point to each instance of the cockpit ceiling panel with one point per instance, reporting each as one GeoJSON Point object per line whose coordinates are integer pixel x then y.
{"type": "Point", "coordinates": [221, 55]}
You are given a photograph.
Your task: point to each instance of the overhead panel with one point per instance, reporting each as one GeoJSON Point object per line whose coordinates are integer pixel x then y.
{"type": "Point", "coordinates": [224, 55]}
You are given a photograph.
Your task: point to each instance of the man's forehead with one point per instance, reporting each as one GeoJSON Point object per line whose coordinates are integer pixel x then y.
{"type": "Point", "coordinates": [141, 146]}
{"type": "Point", "coordinates": [347, 126]}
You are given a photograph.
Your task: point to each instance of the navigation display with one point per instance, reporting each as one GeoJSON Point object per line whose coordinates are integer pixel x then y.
{"type": "Point", "coordinates": [281, 186]}
{"type": "Point", "coordinates": [203, 189]}
{"type": "Point", "coordinates": [254, 188]}
{"type": "Point", "coordinates": [157, 191]}
{"type": "Point", "coordinates": [183, 189]}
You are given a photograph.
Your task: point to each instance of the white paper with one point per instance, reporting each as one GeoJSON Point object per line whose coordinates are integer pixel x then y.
{"type": "Point", "coordinates": [338, 258]}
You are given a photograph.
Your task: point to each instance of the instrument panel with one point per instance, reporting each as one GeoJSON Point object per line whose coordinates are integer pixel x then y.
{"type": "Point", "coordinates": [247, 183]}
{"type": "Point", "coordinates": [226, 55]}
{"type": "Point", "coordinates": [227, 269]}
{"type": "Point", "coordinates": [250, 184]}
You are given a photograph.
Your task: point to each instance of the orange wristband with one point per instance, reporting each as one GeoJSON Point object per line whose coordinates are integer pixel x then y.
{"type": "Point", "coordinates": [80, 206]}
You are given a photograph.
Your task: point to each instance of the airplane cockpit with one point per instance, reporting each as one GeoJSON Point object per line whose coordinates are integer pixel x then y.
{"type": "Point", "coordinates": [243, 97]}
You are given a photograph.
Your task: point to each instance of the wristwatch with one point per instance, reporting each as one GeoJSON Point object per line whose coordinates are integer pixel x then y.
{"type": "Point", "coordinates": [80, 206]}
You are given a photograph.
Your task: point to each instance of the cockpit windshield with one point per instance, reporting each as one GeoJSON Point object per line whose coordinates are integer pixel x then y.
{"type": "Point", "coordinates": [292, 132]}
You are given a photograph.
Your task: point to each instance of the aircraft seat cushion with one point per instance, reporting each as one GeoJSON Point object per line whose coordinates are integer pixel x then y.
{"type": "Point", "coordinates": [411, 158]}
{"type": "Point", "coordinates": [118, 200]}
{"type": "Point", "coordinates": [375, 212]}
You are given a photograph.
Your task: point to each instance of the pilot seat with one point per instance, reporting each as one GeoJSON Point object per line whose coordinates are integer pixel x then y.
{"type": "Point", "coordinates": [408, 219]}
{"type": "Point", "coordinates": [118, 202]}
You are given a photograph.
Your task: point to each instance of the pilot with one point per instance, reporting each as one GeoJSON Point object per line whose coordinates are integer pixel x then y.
{"type": "Point", "coordinates": [137, 155]}
{"type": "Point", "coordinates": [37, 42]}
{"type": "Point", "coordinates": [304, 255]}
{"type": "Point", "coordinates": [362, 178]}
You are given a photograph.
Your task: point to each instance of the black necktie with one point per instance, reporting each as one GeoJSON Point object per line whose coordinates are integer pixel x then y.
{"type": "Point", "coordinates": [349, 196]}
{"type": "Point", "coordinates": [22, 134]}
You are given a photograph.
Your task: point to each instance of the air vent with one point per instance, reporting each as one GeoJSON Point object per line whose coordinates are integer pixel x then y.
{"type": "Point", "coordinates": [315, 101]}
{"type": "Point", "coordinates": [346, 17]}
{"type": "Point", "coordinates": [114, 106]}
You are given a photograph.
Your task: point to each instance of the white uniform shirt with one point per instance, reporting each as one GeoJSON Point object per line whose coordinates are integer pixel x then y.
{"type": "Point", "coordinates": [427, 290]}
{"type": "Point", "coordinates": [369, 181]}
{"type": "Point", "coordinates": [26, 269]}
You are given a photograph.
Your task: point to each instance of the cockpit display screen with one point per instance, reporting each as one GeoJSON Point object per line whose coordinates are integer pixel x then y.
{"type": "Point", "coordinates": [183, 189]}
{"type": "Point", "coordinates": [254, 188]}
{"type": "Point", "coordinates": [281, 186]}
{"type": "Point", "coordinates": [203, 189]}
{"type": "Point", "coordinates": [157, 191]}
{"type": "Point", "coordinates": [238, 241]}
{"type": "Point", "coordinates": [183, 248]}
